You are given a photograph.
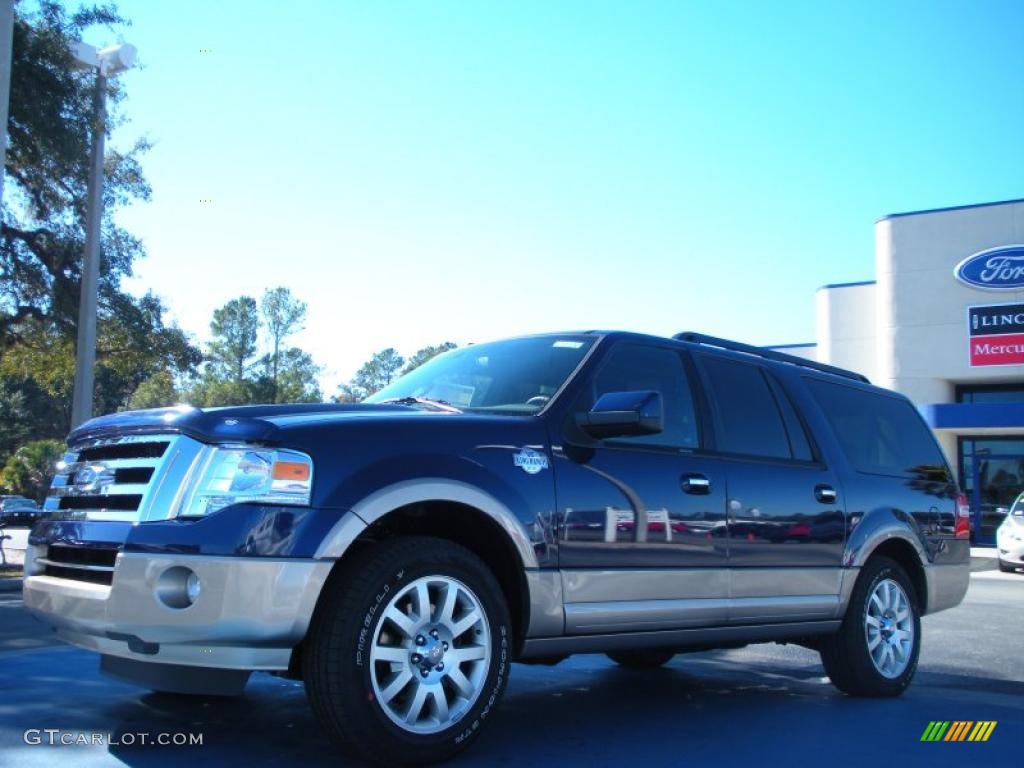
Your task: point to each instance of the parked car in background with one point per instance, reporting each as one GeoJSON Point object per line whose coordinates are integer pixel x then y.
{"type": "Point", "coordinates": [18, 510]}
{"type": "Point", "coordinates": [1010, 538]}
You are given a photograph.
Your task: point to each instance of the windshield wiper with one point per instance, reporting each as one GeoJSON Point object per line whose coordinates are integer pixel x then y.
{"type": "Point", "coordinates": [441, 405]}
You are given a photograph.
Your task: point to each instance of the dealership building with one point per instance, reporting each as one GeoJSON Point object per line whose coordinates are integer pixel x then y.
{"type": "Point", "coordinates": [943, 323]}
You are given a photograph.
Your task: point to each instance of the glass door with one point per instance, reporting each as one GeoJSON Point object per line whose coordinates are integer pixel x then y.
{"type": "Point", "coordinates": [998, 479]}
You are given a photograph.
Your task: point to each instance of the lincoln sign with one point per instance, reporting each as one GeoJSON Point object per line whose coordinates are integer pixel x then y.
{"type": "Point", "coordinates": [996, 334]}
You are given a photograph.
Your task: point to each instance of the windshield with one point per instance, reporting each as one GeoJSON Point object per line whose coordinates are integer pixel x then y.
{"type": "Point", "coordinates": [517, 376]}
{"type": "Point", "coordinates": [1018, 506]}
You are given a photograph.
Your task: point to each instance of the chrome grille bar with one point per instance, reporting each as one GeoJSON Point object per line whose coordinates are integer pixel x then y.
{"type": "Point", "coordinates": [130, 478]}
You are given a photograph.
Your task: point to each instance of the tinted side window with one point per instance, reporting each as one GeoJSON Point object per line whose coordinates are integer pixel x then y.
{"type": "Point", "coordinates": [798, 441]}
{"type": "Point", "coordinates": [749, 421]}
{"type": "Point", "coordinates": [634, 367]}
{"type": "Point", "coordinates": [880, 435]}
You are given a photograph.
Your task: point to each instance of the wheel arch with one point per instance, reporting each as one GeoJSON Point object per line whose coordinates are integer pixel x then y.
{"type": "Point", "coordinates": [449, 510]}
{"type": "Point", "coordinates": [901, 551]}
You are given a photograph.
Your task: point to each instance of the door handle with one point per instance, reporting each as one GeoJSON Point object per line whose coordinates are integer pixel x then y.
{"type": "Point", "coordinates": [696, 484]}
{"type": "Point", "coordinates": [826, 494]}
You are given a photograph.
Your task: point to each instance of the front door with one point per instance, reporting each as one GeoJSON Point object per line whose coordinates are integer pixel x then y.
{"type": "Point", "coordinates": [642, 519]}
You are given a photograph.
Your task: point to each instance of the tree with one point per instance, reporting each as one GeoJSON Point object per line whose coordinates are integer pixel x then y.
{"type": "Point", "coordinates": [235, 328]}
{"type": "Point", "coordinates": [379, 371]}
{"type": "Point", "coordinates": [42, 239]}
{"type": "Point", "coordinates": [283, 315]}
{"type": "Point", "coordinates": [158, 391]}
{"type": "Point", "coordinates": [375, 374]}
{"type": "Point", "coordinates": [231, 377]}
{"type": "Point", "coordinates": [296, 380]}
{"type": "Point", "coordinates": [49, 130]}
{"type": "Point", "coordinates": [29, 470]}
{"type": "Point", "coordinates": [426, 354]}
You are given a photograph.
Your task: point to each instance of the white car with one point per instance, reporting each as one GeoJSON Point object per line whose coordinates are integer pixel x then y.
{"type": "Point", "coordinates": [1010, 538]}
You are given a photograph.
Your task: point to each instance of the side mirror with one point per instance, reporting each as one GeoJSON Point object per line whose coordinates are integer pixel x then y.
{"type": "Point", "coordinates": [623, 414]}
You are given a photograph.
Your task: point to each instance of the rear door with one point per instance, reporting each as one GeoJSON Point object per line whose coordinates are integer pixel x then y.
{"type": "Point", "coordinates": [786, 517]}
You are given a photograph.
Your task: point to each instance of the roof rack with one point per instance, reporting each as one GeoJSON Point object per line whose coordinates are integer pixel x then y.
{"type": "Point", "coordinates": [768, 354]}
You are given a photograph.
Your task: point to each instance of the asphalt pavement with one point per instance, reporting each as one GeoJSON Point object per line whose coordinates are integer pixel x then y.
{"type": "Point", "coordinates": [763, 705]}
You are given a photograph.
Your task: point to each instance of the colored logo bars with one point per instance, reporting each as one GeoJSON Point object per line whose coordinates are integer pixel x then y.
{"type": "Point", "coordinates": [958, 730]}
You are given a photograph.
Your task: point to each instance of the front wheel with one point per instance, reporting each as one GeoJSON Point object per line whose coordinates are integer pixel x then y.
{"type": "Point", "coordinates": [409, 651]}
{"type": "Point", "coordinates": [1006, 567]}
{"type": "Point", "coordinates": [875, 651]}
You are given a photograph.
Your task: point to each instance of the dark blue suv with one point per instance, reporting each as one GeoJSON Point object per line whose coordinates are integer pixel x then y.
{"type": "Point", "coordinates": [521, 500]}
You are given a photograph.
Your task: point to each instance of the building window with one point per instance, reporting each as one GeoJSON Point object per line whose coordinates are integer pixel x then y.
{"type": "Point", "coordinates": [1002, 393]}
{"type": "Point", "coordinates": [992, 476]}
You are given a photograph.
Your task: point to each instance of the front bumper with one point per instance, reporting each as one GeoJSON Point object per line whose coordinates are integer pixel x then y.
{"type": "Point", "coordinates": [250, 613]}
{"type": "Point", "coordinates": [1011, 548]}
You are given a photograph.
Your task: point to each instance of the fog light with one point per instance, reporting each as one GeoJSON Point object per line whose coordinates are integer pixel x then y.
{"type": "Point", "coordinates": [177, 587]}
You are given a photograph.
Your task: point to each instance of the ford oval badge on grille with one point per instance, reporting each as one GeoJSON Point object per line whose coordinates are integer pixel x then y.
{"type": "Point", "coordinates": [995, 269]}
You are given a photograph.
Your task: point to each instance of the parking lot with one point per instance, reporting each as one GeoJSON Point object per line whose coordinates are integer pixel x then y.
{"type": "Point", "coordinates": [764, 704]}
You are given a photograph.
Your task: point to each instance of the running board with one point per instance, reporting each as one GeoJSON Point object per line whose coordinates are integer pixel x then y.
{"type": "Point", "coordinates": [676, 638]}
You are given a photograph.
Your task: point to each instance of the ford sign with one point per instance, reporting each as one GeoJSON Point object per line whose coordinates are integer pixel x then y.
{"type": "Point", "coordinates": [997, 269]}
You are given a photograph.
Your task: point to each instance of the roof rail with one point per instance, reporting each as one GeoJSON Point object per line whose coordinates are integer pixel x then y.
{"type": "Point", "coordinates": [768, 354]}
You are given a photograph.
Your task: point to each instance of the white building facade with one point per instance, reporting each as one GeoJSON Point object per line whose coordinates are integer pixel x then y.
{"type": "Point", "coordinates": [943, 323]}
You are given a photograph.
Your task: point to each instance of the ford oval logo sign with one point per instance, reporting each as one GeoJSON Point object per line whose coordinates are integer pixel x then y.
{"type": "Point", "coordinates": [997, 269]}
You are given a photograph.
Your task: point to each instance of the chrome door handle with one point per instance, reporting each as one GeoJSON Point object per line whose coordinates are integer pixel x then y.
{"type": "Point", "coordinates": [826, 494]}
{"type": "Point", "coordinates": [696, 484]}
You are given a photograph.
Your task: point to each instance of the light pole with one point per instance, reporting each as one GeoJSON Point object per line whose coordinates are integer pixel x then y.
{"type": "Point", "coordinates": [107, 62]}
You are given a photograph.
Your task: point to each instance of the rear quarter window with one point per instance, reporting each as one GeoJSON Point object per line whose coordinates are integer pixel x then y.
{"type": "Point", "coordinates": [879, 434]}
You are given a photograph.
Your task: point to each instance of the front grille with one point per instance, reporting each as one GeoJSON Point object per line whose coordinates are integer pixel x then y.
{"type": "Point", "coordinates": [92, 564]}
{"type": "Point", "coordinates": [109, 479]}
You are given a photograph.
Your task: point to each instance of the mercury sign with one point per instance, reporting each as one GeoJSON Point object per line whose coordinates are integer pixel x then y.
{"type": "Point", "coordinates": [996, 334]}
{"type": "Point", "coordinates": [997, 269]}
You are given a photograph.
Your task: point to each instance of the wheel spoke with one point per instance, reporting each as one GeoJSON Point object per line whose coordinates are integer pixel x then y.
{"type": "Point", "coordinates": [468, 653]}
{"type": "Point", "coordinates": [423, 601]}
{"type": "Point", "coordinates": [447, 609]}
{"type": "Point", "coordinates": [903, 634]}
{"type": "Point", "coordinates": [440, 703]}
{"type": "Point", "coordinates": [874, 641]}
{"type": "Point", "coordinates": [390, 653]}
{"type": "Point", "coordinates": [465, 623]}
{"type": "Point", "coordinates": [400, 620]}
{"type": "Point", "coordinates": [401, 680]}
{"type": "Point", "coordinates": [461, 683]}
{"type": "Point", "coordinates": [877, 600]}
{"type": "Point", "coordinates": [900, 652]}
{"type": "Point", "coordinates": [416, 705]}
{"type": "Point", "coordinates": [871, 621]}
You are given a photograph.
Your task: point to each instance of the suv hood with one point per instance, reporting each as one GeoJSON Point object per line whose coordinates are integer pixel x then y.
{"type": "Point", "coordinates": [244, 423]}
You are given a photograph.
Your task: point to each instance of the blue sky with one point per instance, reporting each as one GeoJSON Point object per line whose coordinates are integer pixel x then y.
{"type": "Point", "coordinates": [427, 171]}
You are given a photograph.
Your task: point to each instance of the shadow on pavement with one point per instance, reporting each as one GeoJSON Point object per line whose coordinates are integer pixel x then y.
{"type": "Point", "coordinates": [702, 709]}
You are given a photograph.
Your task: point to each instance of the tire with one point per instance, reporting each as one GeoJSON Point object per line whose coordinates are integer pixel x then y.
{"type": "Point", "coordinates": [883, 608]}
{"type": "Point", "coordinates": [642, 658]}
{"type": "Point", "coordinates": [365, 674]}
{"type": "Point", "coordinates": [1006, 567]}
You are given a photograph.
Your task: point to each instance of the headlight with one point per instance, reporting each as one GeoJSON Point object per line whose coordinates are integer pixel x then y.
{"type": "Point", "coordinates": [234, 474]}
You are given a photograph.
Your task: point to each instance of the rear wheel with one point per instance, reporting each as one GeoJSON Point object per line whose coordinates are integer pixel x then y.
{"type": "Point", "coordinates": [642, 658]}
{"type": "Point", "coordinates": [408, 652]}
{"type": "Point", "coordinates": [875, 651]}
{"type": "Point", "coordinates": [1006, 567]}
